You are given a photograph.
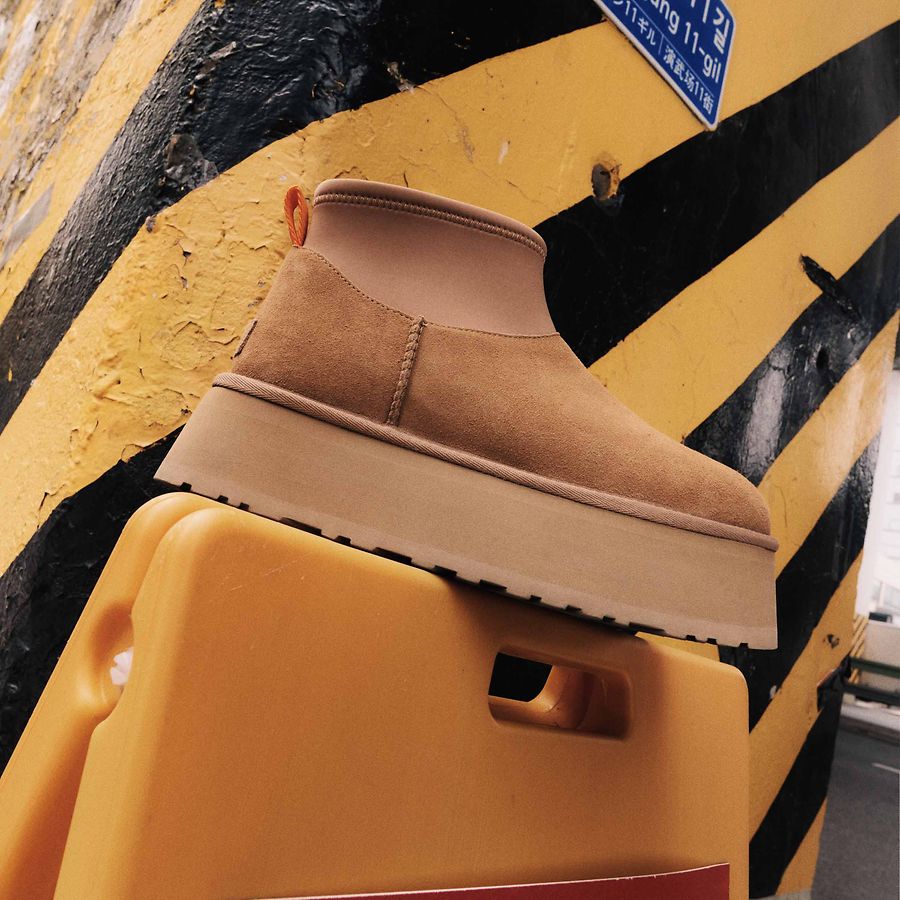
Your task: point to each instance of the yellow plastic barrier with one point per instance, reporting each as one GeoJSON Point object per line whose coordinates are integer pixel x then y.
{"type": "Point", "coordinates": [304, 718]}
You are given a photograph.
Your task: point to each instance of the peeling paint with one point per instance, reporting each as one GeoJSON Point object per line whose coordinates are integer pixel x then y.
{"type": "Point", "coordinates": [403, 84]}
{"type": "Point", "coordinates": [61, 44]}
{"type": "Point", "coordinates": [25, 225]}
{"type": "Point", "coordinates": [185, 168]}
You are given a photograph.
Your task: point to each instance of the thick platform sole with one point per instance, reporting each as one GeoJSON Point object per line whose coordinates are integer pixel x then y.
{"type": "Point", "coordinates": [457, 521]}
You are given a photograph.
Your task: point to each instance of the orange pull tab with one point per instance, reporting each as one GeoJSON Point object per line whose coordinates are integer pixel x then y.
{"type": "Point", "coordinates": [294, 200]}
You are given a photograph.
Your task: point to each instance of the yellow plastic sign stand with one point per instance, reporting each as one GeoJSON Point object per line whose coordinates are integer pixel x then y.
{"type": "Point", "coordinates": [304, 718]}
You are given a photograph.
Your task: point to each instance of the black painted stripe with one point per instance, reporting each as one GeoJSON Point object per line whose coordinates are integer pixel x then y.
{"type": "Point", "coordinates": [750, 429]}
{"type": "Point", "coordinates": [799, 800]}
{"type": "Point", "coordinates": [228, 97]}
{"type": "Point", "coordinates": [808, 582]}
{"type": "Point", "coordinates": [45, 589]}
{"type": "Point", "coordinates": [611, 267]}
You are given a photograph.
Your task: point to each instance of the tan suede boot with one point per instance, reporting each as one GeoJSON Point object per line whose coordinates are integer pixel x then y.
{"type": "Point", "coordinates": [404, 390]}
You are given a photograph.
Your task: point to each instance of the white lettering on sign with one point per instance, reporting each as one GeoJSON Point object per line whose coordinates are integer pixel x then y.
{"type": "Point", "coordinates": [687, 41]}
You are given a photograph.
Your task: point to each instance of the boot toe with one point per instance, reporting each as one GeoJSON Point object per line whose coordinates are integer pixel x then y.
{"type": "Point", "coordinates": [731, 498]}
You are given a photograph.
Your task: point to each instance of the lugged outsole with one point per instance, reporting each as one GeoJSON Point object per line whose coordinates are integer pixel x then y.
{"type": "Point", "coordinates": [453, 575]}
{"type": "Point", "coordinates": [448, 519]}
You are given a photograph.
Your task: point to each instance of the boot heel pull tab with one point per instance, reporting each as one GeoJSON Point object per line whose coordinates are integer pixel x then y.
{"type": "Point", "coordinates": [293, 201]}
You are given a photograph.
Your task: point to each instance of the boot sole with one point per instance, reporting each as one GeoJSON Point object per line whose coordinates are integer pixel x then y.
{"type": "Point", "coordinates": [455, 521]}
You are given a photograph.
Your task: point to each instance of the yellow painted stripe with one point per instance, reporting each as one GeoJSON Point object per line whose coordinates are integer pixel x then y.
{"type": "Point", "coordinates": [800, 38]}
{"type": "Point", "coordinates": [779, 735]}
{"type": "Point", "coordinates": [108, 101]}
{"type": "Point", "coordinates": [858, 641]}
{"type": "Point", "coordinates": [801, 870]}
{"type": "Point", "coordinates": [42, 45]}
{"type": "Point", "coordinates": [811, 468]}
{"type": "Point", "coordinates": [53, 38]}
{"type": "Point", "coordinates": [21, 28]}
{"type": "Point", "coordinates": [159, 327]}
{"type": "Point", "coordinates": [687, 359]}
{"type": "Point", "coordinates": [562, 141]}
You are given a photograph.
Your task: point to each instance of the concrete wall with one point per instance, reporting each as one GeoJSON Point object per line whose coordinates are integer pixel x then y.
{"type": "Point", "coordinates": [738, 290]}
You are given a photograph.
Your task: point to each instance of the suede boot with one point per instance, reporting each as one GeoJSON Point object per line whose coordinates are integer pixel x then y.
{"type": "Point", "coordinates": [403, 390]}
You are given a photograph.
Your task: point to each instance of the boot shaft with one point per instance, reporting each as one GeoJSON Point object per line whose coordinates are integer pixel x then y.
{"type": "Point", "coordinates": [426, 256]}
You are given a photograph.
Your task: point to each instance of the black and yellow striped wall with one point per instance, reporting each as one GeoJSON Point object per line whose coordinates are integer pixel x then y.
{"type": "Point", "coordinates": [737, 288]}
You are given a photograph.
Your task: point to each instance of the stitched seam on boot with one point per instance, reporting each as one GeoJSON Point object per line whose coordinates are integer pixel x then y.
{"type": "Point", "coordinates": [418, 209]}
{"type": "Point", "coordinates": [244, 338]}
{"type": "Point", "coordinates": [409, 358]}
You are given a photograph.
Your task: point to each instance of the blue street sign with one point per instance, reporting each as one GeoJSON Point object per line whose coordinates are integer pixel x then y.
{"type": "Point", "coordinates": [687, 41]}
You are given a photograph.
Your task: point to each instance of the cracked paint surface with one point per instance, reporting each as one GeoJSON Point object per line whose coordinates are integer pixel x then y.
{"type": "Point", "coordinates": [50, 58]}
{"type": "Point", "coordinates": [70, 160]}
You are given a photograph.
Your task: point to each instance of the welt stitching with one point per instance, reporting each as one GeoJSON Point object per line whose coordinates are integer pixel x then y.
{"type": "Point", "coordinates": [403, 206]}
{"type": "Point", "coordinates": [409, 357]}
